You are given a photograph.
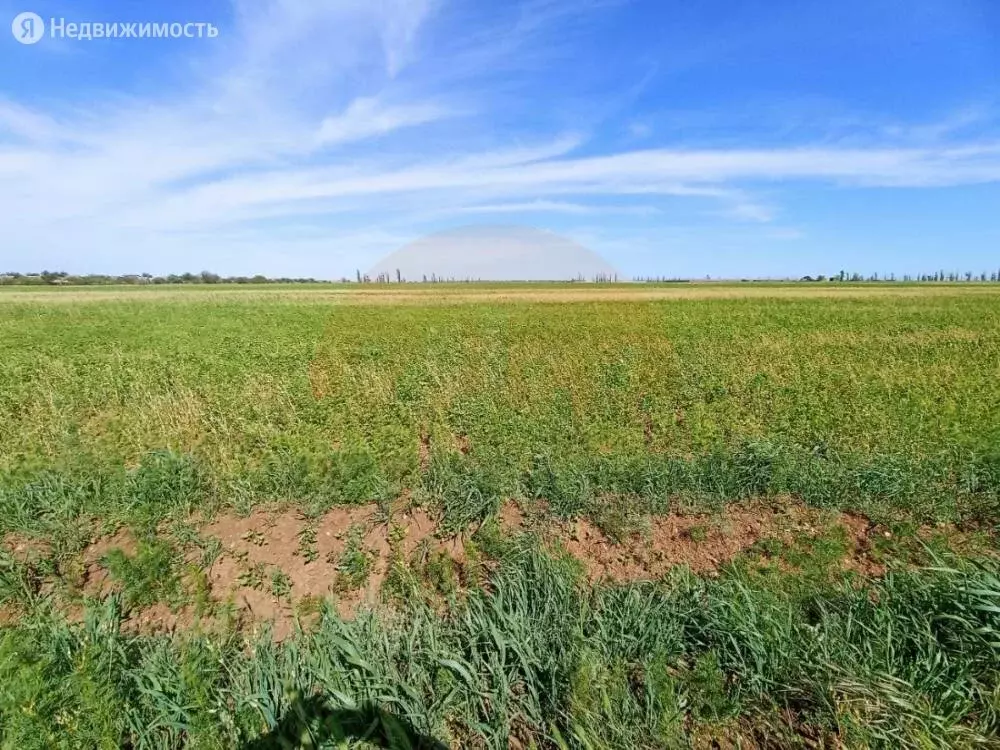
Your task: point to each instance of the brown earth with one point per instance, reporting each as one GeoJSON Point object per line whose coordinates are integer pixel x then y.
{"type": "Point", "coordinates": [308, 553]}
{"type": "Point", "coordinates": [26, 549]}
{"type": "Point", "coordinates": [276, 566]}
{"type": "Point", "coordinates": [704, 543]}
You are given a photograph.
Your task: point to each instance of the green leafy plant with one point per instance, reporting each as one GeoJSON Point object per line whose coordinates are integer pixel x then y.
{"type": "Point", "coordinates": [148, 576]}
{"type": "Point", "coordinates": [354, 563]}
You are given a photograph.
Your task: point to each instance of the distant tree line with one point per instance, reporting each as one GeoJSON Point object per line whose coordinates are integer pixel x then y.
{"type": "Point", "coordinates": [57, 278]}
{"type": "Point", "coordinates": [855, 278]}
{"type": "Point", "coordinates": [398, 278]}
{"type": "Point", "coordinates": [939, 276]}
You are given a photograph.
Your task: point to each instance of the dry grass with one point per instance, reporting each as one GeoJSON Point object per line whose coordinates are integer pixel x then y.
{"type": "Point", "coordinates": [412, 294]}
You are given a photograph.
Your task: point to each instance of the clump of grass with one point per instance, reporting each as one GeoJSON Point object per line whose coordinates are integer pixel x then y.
{"type": "Point", "coordinates": [474, 570]}
{"type": "Point", "coordinates": [912, 545]}
{"type": "Point", "coordinates": [807, 560]}
{"type": "Point", "coordinates": [819, 551]}
{"type": "Point", "coordinates": [187, 537]}
{"type": "Point", "coordinates": [706, 695]}
{"type": "Point", "coordinates": [466, 492]}
{"type": "Point", "coordinates": [401, 581]}
{"type": "Point", "coordinates": [199, 591]}
{"type": "Point", "coordinates": [494, 543]}
{"type": "Point", "coordinates": [309, 606]}
{"type": "Point", "coordinates": [698, 533]}
{"type": "Point", "coordinates": [148, 576]}
{"type": "Point", "coordinates": [19, 581]}
{"type": "Point", "coordinates": [441, 573]}
{"type": "Point", "coordinates": [355, 562]}
{"type": "Point", "coordinates": [620, 517]}
{"type": "Point", "coordinates": [211, 549]}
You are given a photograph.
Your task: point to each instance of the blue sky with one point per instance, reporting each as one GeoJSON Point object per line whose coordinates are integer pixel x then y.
{"type": "Point", "coordinates": [678, 138]}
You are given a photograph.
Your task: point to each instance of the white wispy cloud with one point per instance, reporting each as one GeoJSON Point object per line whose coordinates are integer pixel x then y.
{"type": "Point", "coordinates": [319, 112]}
{"type": "Point", "coordinates": [367, 118]}
{"type": "Point", "coordinates": [556, 207]}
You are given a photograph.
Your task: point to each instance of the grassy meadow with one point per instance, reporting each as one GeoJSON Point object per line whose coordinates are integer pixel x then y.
{"type": "Point", "coordinates": [133, 419]}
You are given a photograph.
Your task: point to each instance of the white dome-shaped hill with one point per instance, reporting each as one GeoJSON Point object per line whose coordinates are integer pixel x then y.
{"type": "Point", "coordinates": [494, 253]}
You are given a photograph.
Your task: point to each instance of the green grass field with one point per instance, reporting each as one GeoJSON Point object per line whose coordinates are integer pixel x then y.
{"type": "Point", "coordinates": [492, 516]}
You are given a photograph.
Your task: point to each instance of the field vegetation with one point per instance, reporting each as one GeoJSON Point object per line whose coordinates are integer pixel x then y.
{"type": "Point", "coordinates": [500, 516]}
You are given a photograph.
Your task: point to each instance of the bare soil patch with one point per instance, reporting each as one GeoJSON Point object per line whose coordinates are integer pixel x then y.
{"type": "Point", "coordinates": [26, 549]}
{"type": "Point", "coordinates": [512, 518]}
{"type": "Point", "coordinates": [705, 542]}
{"type": "Point", "coordinates": [277, 566]}
{"type": "Point", "coordinates": [271, 560]}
